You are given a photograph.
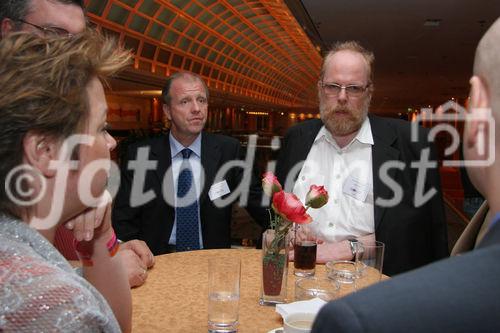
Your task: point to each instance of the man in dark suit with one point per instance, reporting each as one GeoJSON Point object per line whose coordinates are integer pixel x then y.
{"type": "Point", "coordinates": [461, 293]}
{"type": "Point", "coordinates": [350, 153]}
{"type": "Point", "coordinates": [160, 221]}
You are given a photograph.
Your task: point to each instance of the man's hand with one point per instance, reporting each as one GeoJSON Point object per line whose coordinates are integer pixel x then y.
{"type": "Point", "coordinates": [333, 251]}
{"type": "Point", "coordinates": [141, 250]}
{"type": "Point", "coordinates": [136, 270]}
{"type": "Point", "coordinates": [339, 250]}
{"type": "Point", "coordinates": [330, 251]}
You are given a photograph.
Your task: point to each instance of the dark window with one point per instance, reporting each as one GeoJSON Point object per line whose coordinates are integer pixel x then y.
{"type": "Point", "coordinates": [148, 51]}
{"type": "Point", "coordinates": [131, 43]}
{"type": "Point", "coordinates": [196, 67]}
{"type": "Point", "coordinates": [177, 61]}
{"type": "Point", "coordinates": [163, 56]}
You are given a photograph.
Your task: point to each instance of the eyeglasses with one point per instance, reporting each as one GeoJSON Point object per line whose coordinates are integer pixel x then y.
{"type": "Point", "coordinates": [49, 31]}
{"type": "Point", "coordinates": [334, 89]}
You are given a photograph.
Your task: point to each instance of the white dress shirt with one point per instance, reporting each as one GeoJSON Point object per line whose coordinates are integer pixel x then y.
{"type": "Point", "coordinates": [195, 160]}
{"type": "Point", "coordinates": [346, 173]}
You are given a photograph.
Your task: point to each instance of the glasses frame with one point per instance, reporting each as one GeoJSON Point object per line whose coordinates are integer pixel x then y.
{"type": "Point", "coordinates": [54, 31]}
{"type": "Point", "coordinates": [363, 89]}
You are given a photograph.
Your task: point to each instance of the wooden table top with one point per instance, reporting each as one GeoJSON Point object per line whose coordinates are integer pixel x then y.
{"type": "Point", "coordinates": [174, 297]}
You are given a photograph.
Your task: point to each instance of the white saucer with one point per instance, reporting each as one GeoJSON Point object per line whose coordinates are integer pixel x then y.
{"type": "Point", "coordinates": [276, 330]}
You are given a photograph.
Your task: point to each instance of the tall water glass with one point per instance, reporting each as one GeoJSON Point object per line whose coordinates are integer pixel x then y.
{"type": "Point", "coordinates": [223, 294]}
{"type": "Point", "coordinates": [370, 261]}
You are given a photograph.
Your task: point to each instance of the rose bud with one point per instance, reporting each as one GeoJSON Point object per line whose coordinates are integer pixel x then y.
{"type": "Point", "coordinates": [316, 197]}
{"type": "Point", "coordinates": [270, 184]}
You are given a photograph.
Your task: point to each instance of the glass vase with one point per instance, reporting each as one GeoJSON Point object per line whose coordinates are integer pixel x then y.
{"type": "Point", "coordinates": [275, 248]}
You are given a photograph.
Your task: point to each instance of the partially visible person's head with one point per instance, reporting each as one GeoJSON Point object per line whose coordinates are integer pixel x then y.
{"type": "Point", "coordinates": [185, 98]}
{"type": "Point", "coordinates": [484, 95]}
{"type": "Point", "coordinates": [51, 90]}
{"type": "Point", "coordinates": [348, 65]}
{"type": "Point", "coordinates": [43, 17]}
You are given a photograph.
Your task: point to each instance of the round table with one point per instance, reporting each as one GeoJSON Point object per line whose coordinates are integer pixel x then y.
{"type": "Point", "coordinates": [174, 297]}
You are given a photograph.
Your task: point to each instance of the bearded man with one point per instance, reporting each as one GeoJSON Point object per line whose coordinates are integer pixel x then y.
{"type": "Point", "coordinates": [370, 167]}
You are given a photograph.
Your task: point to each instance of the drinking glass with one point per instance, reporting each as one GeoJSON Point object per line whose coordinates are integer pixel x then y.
{"type": "Point", "coordinates": [369, 261]}
{"type": "Point", "coordinates": [308, 288]}
{"type": "Point", "coordinates": [304, 251]}
{"type": "Point", "coordinates": [223, 294]}
{"type": "Point", "coordinates": [345, 273]}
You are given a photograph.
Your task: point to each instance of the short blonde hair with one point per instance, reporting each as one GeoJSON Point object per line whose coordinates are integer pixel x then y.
{"type": "Point", "coordinates": [43, 90]}
{"type": "Point", "coordinates": [165, 94]}
{"type": "Point", "coordinates": [352, 46]}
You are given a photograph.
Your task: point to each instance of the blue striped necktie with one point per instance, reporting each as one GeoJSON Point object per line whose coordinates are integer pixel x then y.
{"type": "Point", "coordinates": [186, 211]}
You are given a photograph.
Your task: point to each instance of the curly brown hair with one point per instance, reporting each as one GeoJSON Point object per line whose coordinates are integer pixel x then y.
{"type": "Point", "coordinates": [43, 84]}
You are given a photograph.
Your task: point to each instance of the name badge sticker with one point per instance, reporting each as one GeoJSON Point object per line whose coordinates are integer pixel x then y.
{"type": "Point", "coordinates": [218, 190]}
{"type": "Point", "coordinates": [355, 189]}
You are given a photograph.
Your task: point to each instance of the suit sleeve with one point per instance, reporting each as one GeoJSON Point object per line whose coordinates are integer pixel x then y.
{"type": "Point", "coordinates": [254, 205]}
{"type": "Point", "coordinates": [282, 165]}
{"type": "Point", "coordinates": [337, 317]}
{"type": "Point", "coordinates": [126, 218]}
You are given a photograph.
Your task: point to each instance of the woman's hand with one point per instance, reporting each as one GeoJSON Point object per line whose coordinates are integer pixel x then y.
{"type": "Point", "coordinates": [91, 221]}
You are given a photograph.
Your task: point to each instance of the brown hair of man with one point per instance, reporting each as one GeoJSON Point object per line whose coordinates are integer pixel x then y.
{"type": "Point", "coordinates": [165, 94]}
{"type": "Point", "coordinates": [352, 46]}
{"type": "Point", "coordinates": [43, 84]}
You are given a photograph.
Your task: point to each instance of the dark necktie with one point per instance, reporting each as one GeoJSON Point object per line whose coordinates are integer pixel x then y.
{"type": "Point", "coordinates": [186, 211]}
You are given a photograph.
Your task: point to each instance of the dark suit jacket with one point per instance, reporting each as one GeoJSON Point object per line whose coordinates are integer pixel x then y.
{"type": "Point", "coordinates": [458, 294]}
{"type": "Point", "coordinates": [153, 221]}
{"type": "Point", "coordinates": [413, 236]}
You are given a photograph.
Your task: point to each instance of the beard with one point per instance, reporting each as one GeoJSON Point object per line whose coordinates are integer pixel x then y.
{"type": "Point", "coordinates": [342, 120]}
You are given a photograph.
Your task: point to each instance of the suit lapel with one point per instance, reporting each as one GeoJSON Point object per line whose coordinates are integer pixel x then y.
{"type": "Point", "coordinates": [382, 151]}
{"type": "Point", "coordinates": [307, 139]}
{"type": "Point", "coordinates": [467, 239]}
{"type": "Point", "coordinates": [303, 145]}
{"type": "Point", "coordinates": [160, 152]}
{"type": "Point", "coordinates": [210, 157]}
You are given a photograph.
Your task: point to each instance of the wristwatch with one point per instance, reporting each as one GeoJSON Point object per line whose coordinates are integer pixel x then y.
{"type": "Point", "coordinates": [353, 242]}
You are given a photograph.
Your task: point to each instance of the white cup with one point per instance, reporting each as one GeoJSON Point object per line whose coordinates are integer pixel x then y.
{"type": "Point", "coordinates": [298, 322]}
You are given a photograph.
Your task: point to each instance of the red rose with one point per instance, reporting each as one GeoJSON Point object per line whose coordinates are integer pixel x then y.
{"type": "Point", "coordinates": [270, 184]}
{"type": "Point", "coordinates": [316, 197]}
{"type": "Point", "coordinates": [288, 206]}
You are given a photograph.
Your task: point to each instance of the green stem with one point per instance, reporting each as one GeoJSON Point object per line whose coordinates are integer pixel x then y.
{"type": "Point", "coordinates": [279, 234]}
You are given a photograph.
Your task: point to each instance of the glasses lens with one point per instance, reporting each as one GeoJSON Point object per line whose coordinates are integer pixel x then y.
{"type": "Point", "coordinates": [355, 90]}
{"type": "Point", "coordinates": [332, 89]}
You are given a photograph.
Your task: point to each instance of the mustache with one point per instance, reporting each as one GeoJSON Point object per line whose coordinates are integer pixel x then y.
{"type": "Point", "coordinates": [342, 109]}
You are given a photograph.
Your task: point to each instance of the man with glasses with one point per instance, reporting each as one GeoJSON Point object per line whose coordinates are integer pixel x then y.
{"type": "Point", "coordinates": [461, 293]}
{"type": "Point", "coordinates": [66, 18]}
{"type": "Point", "coordinates": [54, 17]}
{"type": "Point", "coordinates": [350, 152]}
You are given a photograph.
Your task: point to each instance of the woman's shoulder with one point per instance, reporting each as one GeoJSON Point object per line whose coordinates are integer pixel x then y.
{"type": "Point", "coordinates": [40, 295]}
